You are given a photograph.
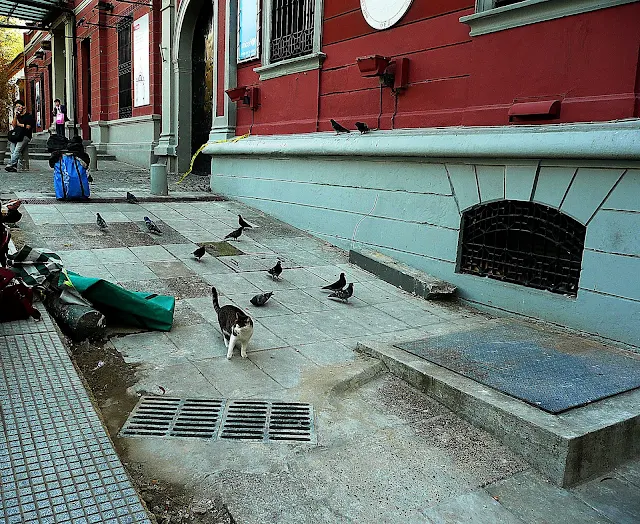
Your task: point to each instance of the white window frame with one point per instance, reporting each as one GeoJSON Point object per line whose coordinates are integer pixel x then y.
{"type": "Point", "coordinates": [490, 19]}
{"type": "Point", "coordinates": [292, 65]}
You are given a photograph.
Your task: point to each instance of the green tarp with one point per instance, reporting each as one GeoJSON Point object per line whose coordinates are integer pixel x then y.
{"type": "Point", "coordinates": [134, 308]}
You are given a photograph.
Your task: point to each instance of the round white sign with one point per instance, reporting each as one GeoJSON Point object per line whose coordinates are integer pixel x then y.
{"type": "Point", "coordinates": [381, 14]}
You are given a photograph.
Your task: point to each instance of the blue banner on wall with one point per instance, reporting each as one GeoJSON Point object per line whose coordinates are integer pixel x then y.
{"type": "Point", "coordinates": [247, 29]}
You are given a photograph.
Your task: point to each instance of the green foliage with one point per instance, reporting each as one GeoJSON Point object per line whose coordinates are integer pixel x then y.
{"type": "Point", "coordinates": [11, 44]}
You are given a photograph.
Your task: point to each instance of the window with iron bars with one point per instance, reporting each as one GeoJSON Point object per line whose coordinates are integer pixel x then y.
{"type": "Point", "coordinates": [124, 69]}
{"type": "Point", "coordinates": [524, 243]}
{"type": "Point", "coordinates": [292, 28]}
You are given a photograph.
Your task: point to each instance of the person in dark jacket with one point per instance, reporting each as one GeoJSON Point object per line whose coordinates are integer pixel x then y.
{"type": "Point", "coordinates": [24, 123]}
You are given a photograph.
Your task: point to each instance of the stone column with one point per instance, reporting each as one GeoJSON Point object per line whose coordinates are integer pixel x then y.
{"type": "Point", "coordinates": [58, 77]}
{"type": "Point", "coordinates": [167, 142]}
{"type": "Point", "coordinates": [70, 81]}
{"type": "Point", "coordinates": [224, 126]}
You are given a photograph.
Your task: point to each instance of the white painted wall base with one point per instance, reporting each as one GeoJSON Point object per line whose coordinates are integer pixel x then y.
{"type": "Point", "coordinates": [131, 140]}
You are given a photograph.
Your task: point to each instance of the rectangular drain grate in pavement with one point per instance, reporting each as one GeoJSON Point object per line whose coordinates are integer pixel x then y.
{"type": "Point", "coordinates": [260, 420]}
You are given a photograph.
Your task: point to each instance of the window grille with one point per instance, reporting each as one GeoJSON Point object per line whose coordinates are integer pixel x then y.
{"type": "Point", "coordinates": [523, 243]}
{"type": "Point", "coordinates": [291, 29]}
{"type": "Point", "coordinates": [124, 69]}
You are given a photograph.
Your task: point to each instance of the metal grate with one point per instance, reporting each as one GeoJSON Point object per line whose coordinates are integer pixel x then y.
{"type": "Point", "coordinates": [291, 28]}
{"type": "Point", "coordinates": [245, 420]}
{"type": "Point", "coordinates": [523, 243]}
{"type": "Point", "coordinates": [259, 420]}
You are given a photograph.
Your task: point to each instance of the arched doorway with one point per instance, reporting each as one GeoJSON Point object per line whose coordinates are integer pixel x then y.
{"type": "Point", "coordinates": [193, 90]}
{"type": "Point", "coordinates": [202, 82]}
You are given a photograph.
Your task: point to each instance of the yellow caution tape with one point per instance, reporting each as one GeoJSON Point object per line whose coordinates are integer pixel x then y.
{"type": "Point", "coordinates": [193, 158]}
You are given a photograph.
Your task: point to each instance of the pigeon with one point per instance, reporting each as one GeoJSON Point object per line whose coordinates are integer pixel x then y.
{"type": "Point", "coordinates": [131, 198]}
{"type": "Point", "coordinates": [338, 284]}
{"type": "Point", "coordinates": [151, 226]}
{"type": "Point", "coordinates": [101, 222]}
{"type": "Point", "coordinates": [199, 253]}
{"type": "Point", "coordinates": [243, 222]}
{"type": "Point", "coordinates": [343, 294]}
{"type": "Point", "coordinates": [261, 300]}
{"type": "Point", "coordinates": [338, 128]}
{"type": "Point", "coordinates": [89, 178]}
{"type": "Point", "coordinates": [276, 271]}
{"type": "Point", "coordinates": [362, 127]}
{"type": "Point", "coordinates": [235, 234]}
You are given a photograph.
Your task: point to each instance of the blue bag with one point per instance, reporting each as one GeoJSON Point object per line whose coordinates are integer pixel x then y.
{"type": "Point", "coordinates": [70, 178]}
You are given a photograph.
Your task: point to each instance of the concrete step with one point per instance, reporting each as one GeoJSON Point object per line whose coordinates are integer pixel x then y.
{"type": "Point", "coordinates": [567, 448]}
{"type": "Point", "coordinates": [44, 155]}
{"type": "Point", "coordinates": [401, 275]}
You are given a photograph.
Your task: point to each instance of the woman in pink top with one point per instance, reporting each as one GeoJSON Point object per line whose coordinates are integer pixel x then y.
{"type": "Point", "coordinates": [59, 116]}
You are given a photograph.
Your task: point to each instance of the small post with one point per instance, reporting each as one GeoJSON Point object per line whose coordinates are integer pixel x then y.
{"type": "Point", "coordinates": [159, 184]}
{"type": "Point", "coordinates": [92, 151]}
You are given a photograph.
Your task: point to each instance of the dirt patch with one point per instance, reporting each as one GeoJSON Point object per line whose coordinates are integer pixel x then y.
{"type": "Point", "coordinates": [108, 376]}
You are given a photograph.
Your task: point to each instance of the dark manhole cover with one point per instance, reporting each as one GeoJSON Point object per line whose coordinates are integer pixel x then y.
{"type": "Point", "coordinates": [261, 420]}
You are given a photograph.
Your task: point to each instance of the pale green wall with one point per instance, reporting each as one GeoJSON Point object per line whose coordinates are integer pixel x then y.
{"type": "Point", "coordinates": [417, 213]}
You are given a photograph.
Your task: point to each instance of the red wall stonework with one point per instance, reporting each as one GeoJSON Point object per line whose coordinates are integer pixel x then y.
{"type": "Point", "coordinates": [589, 61]}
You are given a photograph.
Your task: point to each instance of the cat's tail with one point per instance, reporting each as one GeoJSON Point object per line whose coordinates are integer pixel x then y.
{"type": "Point", "coordinates": [216, 305]}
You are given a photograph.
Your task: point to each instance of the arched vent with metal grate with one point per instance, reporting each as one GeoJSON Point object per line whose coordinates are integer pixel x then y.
{"type": "Point", "coordinates": [524, 243]}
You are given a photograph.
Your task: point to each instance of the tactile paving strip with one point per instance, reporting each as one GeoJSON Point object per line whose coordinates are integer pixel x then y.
{"type": "Point", "coordinates": [57, 464]}
{"type": "Point", "coordinates": [221, 419]}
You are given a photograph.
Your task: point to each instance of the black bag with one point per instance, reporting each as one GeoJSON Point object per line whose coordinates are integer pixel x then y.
{"type": "Point", "coordinates": [57, 143]}
{"type": "Point", "coordinates": [16, 135]}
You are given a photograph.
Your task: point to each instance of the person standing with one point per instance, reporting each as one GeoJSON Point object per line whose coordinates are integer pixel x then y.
{"type": "Point", "coordinates": [59, 116]}
{"type": "Point", "coordinates": [23, 123]}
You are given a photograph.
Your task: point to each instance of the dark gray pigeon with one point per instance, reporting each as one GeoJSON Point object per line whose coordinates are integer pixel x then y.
{"type": "Point", "coordinates": [101, 222]}
{"type": "Point", "coordinates": [131, 198]}
{"type": "Point", "coordinates": [235, 234]}
{"type": "Point", "coordinates": [151, 226]}
{"type": "Point", "coordinates": [343, 294]}
{"type": "Point", "coordinates": [339, 128]}
{"type": "Point", "coordinates": [199, 253]}
{"type": "Point", "coordinates": [338, 284]}
{"type": "Point", "coordinates": [261, 300]}
{"type": "Point", "coordinates": [243, 222]}
{"type": "Point", "coordinates": [276, 271]}
{"type": "Point", "coordinates": [362, 127]}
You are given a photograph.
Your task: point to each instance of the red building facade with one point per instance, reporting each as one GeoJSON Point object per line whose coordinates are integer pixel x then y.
{"type": "Point", "coordinates": [115, 99]}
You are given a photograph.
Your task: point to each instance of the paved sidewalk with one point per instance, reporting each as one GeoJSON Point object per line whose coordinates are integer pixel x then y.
{"type": "Point", "coordinates": [385, 453]}
{"type": "Point", "coordinates": [57, 462]}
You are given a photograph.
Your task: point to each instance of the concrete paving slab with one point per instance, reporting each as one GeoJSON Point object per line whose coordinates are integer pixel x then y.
{"type": "Point", "coordinates": [534, 499]}
{"type": "Point", "coordinates": [271, 309]}
{"type": "Point", "coordinates": [98, 271]}
{"type": "Point", "coordinates": [237, 378]}
{"type": "Point", "coordinates": [476, 507]}
{"type": "Point", "coordinates": [198, 342]}
{"type": "Point", "coordinates": [377, 321]}
{"type": "Point", "coordinates": [263, 281]}
{"type": "Point", "coordinates": [182, 380]}
{"type": "Point", "coordinates": [629, 472]}
{"type": "Point", "coordinates": [263, 338]}
{"type": "Point", "coordinates": [242, 263]}
{"type": "Point", "coordinates": [294, 329]}
{"type": "Point", "coordinates": [154, 253]}
{"type": "Point", "coordinates": [185, 315]}
{"type": "Point", "coordinates": [115, 255]}
{"type": "Point", "coordinates": [187, 287]}
{"type": "Point", "coordinates": [335, 324]}
{"type": "Point", "coordinates": [615, 499]}
{"type": "Point", "coordinates": [131, 271]}
{"type": "Point", "coordinates": [231, 284]}
{"type": "Point", "coordinates": [80, 257]}
{"type": "Point", "coordinates": [286, 365]}
{"type": "Point", "coordinates": [167, 269]}
{"type": "Point", "coordinates": [300, 302]}
{"type": "Point", "coordinates": [409, 311]}
{"type": "Point", "coordinates": [327, 352]}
